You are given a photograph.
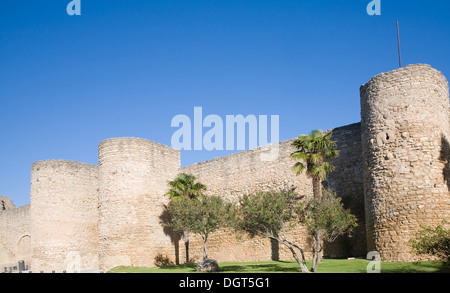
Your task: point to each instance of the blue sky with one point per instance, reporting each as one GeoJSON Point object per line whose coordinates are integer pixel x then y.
{"type": "Point", "coordinates": [125, 68]}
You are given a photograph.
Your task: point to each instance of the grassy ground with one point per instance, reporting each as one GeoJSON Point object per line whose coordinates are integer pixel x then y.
{"type": "Point", "coordinates": [326, 266]}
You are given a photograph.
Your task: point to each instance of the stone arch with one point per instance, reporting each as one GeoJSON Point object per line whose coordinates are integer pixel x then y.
{"type": "Point", "coordinates": [23, 248]}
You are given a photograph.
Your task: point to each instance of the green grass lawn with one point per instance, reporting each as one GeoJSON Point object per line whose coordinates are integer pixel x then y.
{"type": "Point", "coordinates": [326, 266]}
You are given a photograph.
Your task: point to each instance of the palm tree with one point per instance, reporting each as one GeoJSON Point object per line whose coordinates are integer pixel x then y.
{"type": "Point", "coordinates": [315, 150]}
{"type": "Point", "coordinates": [184, 185]}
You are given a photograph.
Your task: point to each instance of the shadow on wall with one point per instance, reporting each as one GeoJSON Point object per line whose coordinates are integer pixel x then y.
{"type": "Point", "coordinates": [445, 157]}
{"type": "Point", "coordinates": [275, 249]}
{"type": "Point", "coordinates": [175, 236]}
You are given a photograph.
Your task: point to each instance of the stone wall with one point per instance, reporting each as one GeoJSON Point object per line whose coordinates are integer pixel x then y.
{"type": "Point", "coordinates": [6, 203]}
{"type": "Point", "coordinates": [133, 180]}
{"type": "Point", "coordinates": [405, 139]}
{"type": "Point", "coordinates": [393, 173]}
{"type": "Point", "coordinates": [14, 234]}
{"type": "Point", "coordinates": [245, 173]}
{"type": "Point", "coordinates": [347, 181]}
{"type": "Point", "coordinates": [64, 202]}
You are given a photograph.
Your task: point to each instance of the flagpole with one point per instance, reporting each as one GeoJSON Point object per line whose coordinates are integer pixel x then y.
{"type": "Point", "coordinates": [398, 42]}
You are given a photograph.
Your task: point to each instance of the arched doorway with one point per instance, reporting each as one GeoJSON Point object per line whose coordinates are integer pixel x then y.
{"type": "Point", "coordinates": [24, 250]}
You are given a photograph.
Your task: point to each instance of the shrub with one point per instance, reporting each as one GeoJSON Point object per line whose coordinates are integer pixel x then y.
{"type": "Point", "coordinates": [433, 241]}
{"type": "Point", "coordinates": [162, 261]}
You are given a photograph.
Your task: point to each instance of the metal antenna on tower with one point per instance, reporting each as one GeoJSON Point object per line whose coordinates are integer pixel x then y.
{"type": "Point", "coordinates": [399, 51]}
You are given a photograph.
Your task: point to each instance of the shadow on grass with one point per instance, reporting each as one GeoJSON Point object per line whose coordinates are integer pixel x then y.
{"type": "Point", "coordinates": [279, 266]}
{"type": "Point", "coordinates": [178, 267]}
{"type": "Point", "coordinates": [262, 268]}
{"type": "Point", "coordinates": [328, 266]}
{"type": "Point", "coordinates": [417, 267]}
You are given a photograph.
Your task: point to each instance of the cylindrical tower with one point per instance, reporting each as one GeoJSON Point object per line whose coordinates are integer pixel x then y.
{"type": "Point", "coordinates": [64, 216]}
{"type": "Point", "coordinates": [405, 140]}
{"type": "Point", "coordinates": [133, 180]}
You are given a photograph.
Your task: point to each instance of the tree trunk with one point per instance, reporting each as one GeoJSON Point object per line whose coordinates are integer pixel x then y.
{"type": "Point", "coordinates": [316, 251]}
{"type": "Point", "coordinates": [317, 257]}
{"type": "Point", "coordinates": [317, 187]}
{"type": "Point", "coordinates": [205, 252]}
{"type": "Point", "coordinates": [289, 245]}
{"type": "Point", "coordinates": [313, 254]}
{"type": "Point", "coordinates": [186, 244]}
{"type": "Point", "coordinates": [301, 251]}
{"type": "Point", "coordinates": [319, 253]}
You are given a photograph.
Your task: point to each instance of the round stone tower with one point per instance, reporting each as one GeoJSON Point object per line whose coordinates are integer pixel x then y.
{"type": "Point", "coordinates": [133, 181]}
{"type": "Point", "coordinates": [64, 200]}
{"type": "Point", "coordinates": [405, 140]}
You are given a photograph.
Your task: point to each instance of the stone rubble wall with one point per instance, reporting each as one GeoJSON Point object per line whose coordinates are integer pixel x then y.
{"type": "Point", "coordinates": [14, 234]}
{"type": "Point", "coordinates": [133, 180]}
{"type": "Point", "coordinates": [64, 225]}
{"type": "Point", "coordinates": [405, 141]}
{"type": "Point", "coordinates": [246, 173]}
{"type": "Point", "coordinates": [393, 173]}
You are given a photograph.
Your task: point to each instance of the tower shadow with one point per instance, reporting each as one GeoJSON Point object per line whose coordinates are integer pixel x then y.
{"type": "Point", "coordinates": [445, 157]}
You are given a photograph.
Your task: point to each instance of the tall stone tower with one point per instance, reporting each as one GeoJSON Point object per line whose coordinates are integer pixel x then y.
{"type": "Point", "coordinates": [405, 141]}
{"type": "Point", "coordinates": [133, 176]}
{"type": "Point", "coordinates": [64, 217]}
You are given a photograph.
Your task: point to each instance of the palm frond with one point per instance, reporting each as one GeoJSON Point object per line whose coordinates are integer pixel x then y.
{"type": "Point", "coordinates": [298, 167]}
{"type": "Point", "coordinates": [299, 155]}
{"type": "Point", "coordinates": [184, 185]}
{"type": "Point", "coordinates": [328, 167]}
{"type": "Point", "coordinates": [316, 159]}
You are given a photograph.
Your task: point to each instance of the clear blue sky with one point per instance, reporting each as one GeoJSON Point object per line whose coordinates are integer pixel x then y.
{"type": "Point", "coordinates": [125, 68]}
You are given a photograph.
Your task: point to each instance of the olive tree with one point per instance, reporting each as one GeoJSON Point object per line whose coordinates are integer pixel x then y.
{"type": "Point", "coordinates": [202, 215]}
{"type": "Point", "coordinates": [325, 216]}
{"type": "Point", "coordinates": [269, 214]}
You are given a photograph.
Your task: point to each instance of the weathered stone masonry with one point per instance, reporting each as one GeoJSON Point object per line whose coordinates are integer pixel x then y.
{"type": "Point", "coordinates": [405, 139]}
{"type": "Point", "coordinates": [392, 172]}
{"type": "Point", "coordinates": [133, 179]}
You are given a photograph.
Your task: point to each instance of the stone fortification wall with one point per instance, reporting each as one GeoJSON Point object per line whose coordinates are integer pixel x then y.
{"type": "Point", "coordinates": [15, 234]}
{"type": "Point", "coordinates": [245, 173]}
{"type": "Point", "coordinates": [393, 173]}
{"type": "Point", "coordinates": [133, 180]}
{"type": "Point", "coordinates": [347, 181]}
{"type": "Point", "coordinates": [64, 216]}
{"type": "Point", "coordinates": [6, 203]}
{"type": "Point", "coordinates": [405, 140]}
